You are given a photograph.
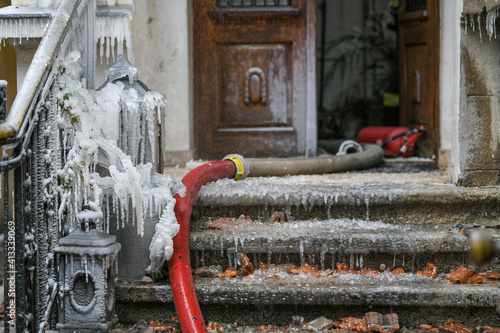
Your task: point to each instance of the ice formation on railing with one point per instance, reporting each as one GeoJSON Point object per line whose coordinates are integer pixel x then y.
{"type": "Point", "coordinates": [54, 3]}
{"type": "Point", "coordinates": [113, 32]}
{"type": "Point", "coordinates": [98, 168]}
{"type": "Point", "coordinates": [22, 28]}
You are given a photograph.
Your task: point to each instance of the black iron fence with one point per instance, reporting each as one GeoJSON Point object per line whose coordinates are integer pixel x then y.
{"type": "Point", "coordinates": [35, 146]}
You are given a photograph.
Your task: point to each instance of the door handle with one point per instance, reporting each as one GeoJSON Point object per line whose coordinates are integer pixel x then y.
{"type": "Point", "coordinates": [255, 86]}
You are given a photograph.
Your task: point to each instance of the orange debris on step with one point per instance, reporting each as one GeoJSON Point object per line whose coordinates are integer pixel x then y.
{"type": "Point", "coordinates": [230, 222]}
{"type": "Point", "coordinates": [371, 322]}
{"type": "Point", "coordinates": [430, 271]}
{"type": "Point", "coordinates": [397, 271]}
{"type": "Point", "coordinates": [209, 271]}
{"type": "Point", "coordinates": [474, 279]}
{"type": "Point", "coordinates": [344, 269]}
{"type": "Point", "coordinates": [491, 276]}
{"type": "Point", "coordinates": [246, 265]}
{"type": "Point", "coordinates": [304, 268]}
{"type": "Point", "coordinates": [460, 274]}
{"type": "Point", "coordinates": [215, 326]}
{"type": "Point", "coordinates": [428, 327]}
{"type": "Point", "coordinates": [349, 323]}
{"type": "Point", "coordinates": [231, 272]}
{"type": "Point", "coordinates": [155, 326]}
{"type": "Point", "coordinates": [369, 272]}
{"type": "Point", "coordinates": [263, 266]}
{"type": "Point", "coordinates": [277, 217]}
{"type": "Point", "coordinates": [456, 327]}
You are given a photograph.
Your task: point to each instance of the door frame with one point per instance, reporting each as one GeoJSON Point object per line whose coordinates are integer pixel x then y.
{"type": "Point", "coordinates": [430, 141]}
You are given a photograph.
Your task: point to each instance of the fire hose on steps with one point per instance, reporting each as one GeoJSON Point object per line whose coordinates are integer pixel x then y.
{"type": "Point", "coordinates": [234, 166]}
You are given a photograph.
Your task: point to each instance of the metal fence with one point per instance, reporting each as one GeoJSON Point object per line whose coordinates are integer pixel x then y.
{"type": "Point", "coordinates": [35, 142]}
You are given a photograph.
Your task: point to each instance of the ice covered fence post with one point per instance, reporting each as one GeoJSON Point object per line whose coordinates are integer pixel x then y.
{"type": "Point", "coordinates": [87, 276]}
{"type": "Point", "coordinates": [140, 131]}
{"type": "Point", "coordinates": [138, 136]}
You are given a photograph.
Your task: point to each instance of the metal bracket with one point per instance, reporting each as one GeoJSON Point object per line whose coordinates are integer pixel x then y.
{"type": "Point", "coordinates": [348, 146]}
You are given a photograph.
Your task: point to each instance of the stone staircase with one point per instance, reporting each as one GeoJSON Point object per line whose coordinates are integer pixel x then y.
{"type": "Point", "coordinates": [371, 222]}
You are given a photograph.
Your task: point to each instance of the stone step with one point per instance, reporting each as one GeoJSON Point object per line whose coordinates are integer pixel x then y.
{"type": "Point", "coordinates": [262, 299]}
{"type": "Point", "coordinates": [328, 242]}
{"type": "Point", "coordinates": [320, 197]}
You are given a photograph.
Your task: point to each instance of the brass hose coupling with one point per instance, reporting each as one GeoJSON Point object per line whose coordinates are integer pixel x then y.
{"type": "Point", "coordinates": [242, 166]}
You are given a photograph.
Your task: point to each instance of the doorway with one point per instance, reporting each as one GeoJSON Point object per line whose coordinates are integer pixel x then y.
{"type": "Point", "coordinates": [254, 82]}
{"type": "Point", "coordinates": [378, 65]}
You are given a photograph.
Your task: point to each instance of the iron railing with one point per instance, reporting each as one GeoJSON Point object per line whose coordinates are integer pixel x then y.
{"type": "Point", "coordinates": [31, 133]}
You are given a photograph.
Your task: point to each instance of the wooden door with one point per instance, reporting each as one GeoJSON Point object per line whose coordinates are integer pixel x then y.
{"type": "Point", "coordinates": [254, 77]}
{"type": "Point", "coordinates": [419, 72]}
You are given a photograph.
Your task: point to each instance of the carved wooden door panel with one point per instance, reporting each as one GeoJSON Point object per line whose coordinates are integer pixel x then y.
{"type": "Point", "coordinates": [252, 77]}
{"type": "Point", "coordinates": [419, 73]}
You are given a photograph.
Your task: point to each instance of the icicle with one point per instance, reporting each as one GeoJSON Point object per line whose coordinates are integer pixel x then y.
{"type": "Point", "coordinates": [203, 255]}
{"type": "Point", "coordinates": [301, 251]}
{"type": "Point", "coordinates": [494, 22]}
{"type": "Point", "coordinates": [491, 22]}
{"type": "Point", "coordinates": [361, 261]}
{"type": "Point", "coordinates": [367, 201]}
{"type": "Point", "coordinates": [394, 261]}
{"type": "Point", "coordinates": [479, 27]}
{"type": "Point", "coordinates": [269, 249]}
{"type": "Point", "coordinates": [324, 249]}
{"type": "Point", "coordinates": [333, 260]}
{"type": "Point", "coordinates": [351, 261]}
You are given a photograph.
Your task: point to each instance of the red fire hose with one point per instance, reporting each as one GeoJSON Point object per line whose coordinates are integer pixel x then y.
{"type": "Point", "coordinates": [179, 266]}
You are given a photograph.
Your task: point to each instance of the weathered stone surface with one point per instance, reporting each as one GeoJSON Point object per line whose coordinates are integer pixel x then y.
{"type": "Point", "coordinates": [359, 291]}
{"type": "Point", "coordinates": [391, 202]}
{"type": "Point", "coordinates": [479, 130]}
{"type": "Point", "coordinates": [479, 134]}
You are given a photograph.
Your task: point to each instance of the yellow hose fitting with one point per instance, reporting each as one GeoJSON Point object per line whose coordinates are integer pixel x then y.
{"type": "Point", "coordinates": [241, 165]}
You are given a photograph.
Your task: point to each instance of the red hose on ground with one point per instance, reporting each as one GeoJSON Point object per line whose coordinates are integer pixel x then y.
{"type": "Point", "coordinates": [179, 266]}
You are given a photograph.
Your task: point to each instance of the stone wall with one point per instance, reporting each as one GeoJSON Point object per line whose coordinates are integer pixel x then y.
{"type": "Point", "coordinates": [479, 118]}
